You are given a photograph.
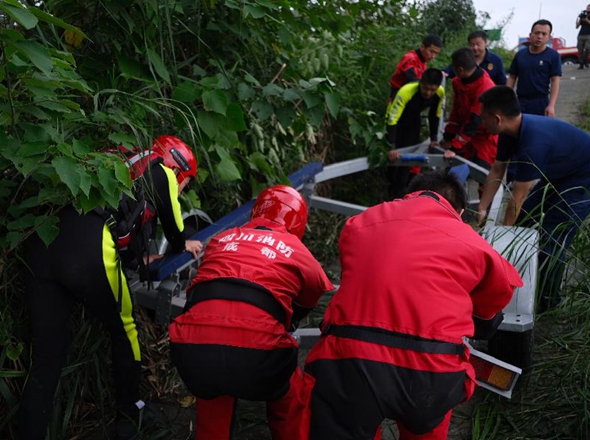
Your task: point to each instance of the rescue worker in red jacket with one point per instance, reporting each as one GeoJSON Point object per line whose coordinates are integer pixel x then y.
{"type": "Point", "coordinates": [233, 341]}
{"type": "Point", "coordinates": [414, 63]}
{"type": "Point", "coordinates": [392, 336]}
{"type": "Point", "coordinates": [82, 265]}
{"type": "Point", "coordinates": [465, 133]}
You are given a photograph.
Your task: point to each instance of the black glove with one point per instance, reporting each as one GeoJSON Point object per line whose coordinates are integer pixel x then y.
{"type": "Point", "coordinates": [485, 328]}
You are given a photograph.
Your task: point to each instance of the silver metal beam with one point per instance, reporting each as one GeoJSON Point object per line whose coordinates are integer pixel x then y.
{"type": "Point", "coordinates": [336, 206]}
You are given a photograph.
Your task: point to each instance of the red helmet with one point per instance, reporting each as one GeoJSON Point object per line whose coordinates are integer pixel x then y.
{"type": "Point", "coordinates": [284, 205]}
{"type": "Point", "coordinates": [176, 155]}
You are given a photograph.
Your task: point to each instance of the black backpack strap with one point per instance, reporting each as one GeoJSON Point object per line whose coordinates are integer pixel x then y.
{"type": "Point", "coordinates": [393, 339]}
{"type": "Point", "coordinates": [235, 289]}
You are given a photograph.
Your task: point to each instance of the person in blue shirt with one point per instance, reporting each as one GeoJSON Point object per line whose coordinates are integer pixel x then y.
{"type": "Point", "coordinates": [551, 182]}
{"type": "Point", "coordinates": [489, 61]}
{"type": "Point", "coordinates": [536, 72]}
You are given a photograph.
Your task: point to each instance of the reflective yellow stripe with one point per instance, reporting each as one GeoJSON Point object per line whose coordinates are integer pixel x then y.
{"type": "Point", "coordinates": [396, 108]}
{"type": "Point", "coordinates": [440, 92]}
{"type": "Point", "coordinates": [173, 187]}
{"type": "Point", "coordinates": [114, 274]}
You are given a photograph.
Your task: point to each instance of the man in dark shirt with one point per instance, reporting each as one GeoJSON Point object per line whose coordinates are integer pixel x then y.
{"type": "Point", "coordinates": [404, 121]}
{"type": "Point", "coordinates": [583, 22]}
{"type": "Point", "coordinates": [551, 181]}
{"type": "Point", "coordinates": [538, 70]}
{"type": "Point", "coordinates": [488, 61]}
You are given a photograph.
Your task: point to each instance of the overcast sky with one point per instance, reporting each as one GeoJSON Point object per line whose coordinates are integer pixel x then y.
{"type": "Point", "coordinates": [561, 13]}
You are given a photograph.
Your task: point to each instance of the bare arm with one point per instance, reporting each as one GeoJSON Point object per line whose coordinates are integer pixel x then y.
{"type": "Point", "coordinates": [550, 110]}
{"type": "Point", "coordinates": [520, 192]}
{"type": "Point", "coordinates": [493, 182]}
{"type": "Point", "coordinates": [511, 81]}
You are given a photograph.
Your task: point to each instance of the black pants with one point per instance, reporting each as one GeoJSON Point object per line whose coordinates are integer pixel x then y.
{"type": "Point", "coordinates": [210, 371]}
{"type": "Point", "coordinates": [80, 265]}
{"type": "Point", "coordinates": [406, 135]}
{"type": "Point", "coordinates": [351, 398]}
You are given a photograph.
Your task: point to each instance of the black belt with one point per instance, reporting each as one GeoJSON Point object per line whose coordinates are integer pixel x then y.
{"type": "Point", "coordinates": [235, 289]}
{"type": "Point", "coordinates": [393, 339]}
{"type": "Point", "coordinates": [534, 96]}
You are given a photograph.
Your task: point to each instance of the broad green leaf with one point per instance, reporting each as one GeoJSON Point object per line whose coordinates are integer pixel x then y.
{"type": "Point", "coordinates": [13, 352]}
{"type": "Point", "coordinates": [13, 239]}
{"type": "Point", "coordinates": [108, 182]}
{"type": "Point", "coordinates": [80, 148]}
{"type": "Point", "coordinates": [52, 105]}
{"type": "Point", "coordinates": [37, 54]}
{"type": "Point", "coordinates": [258, 161]}
{"type": "Point", "coordinates": [272, 90]}
{"type": "Point", "coordinates": [227, 171]}
{"type": "Point", "coordinates": [253, 11]}
{"type": "Point", "coordinates": [24, 222]}
{"type": "Point", "coordinates": [210, 82]}
{"type": "Point", "coordinates": [292, 95]}
{"type": "Point", "coordinates": [42, 93]}
{"type": "Point", "coordinates": [88, 203]}
{"type": "Point", "coordinates": [123, 139]}
{"type": "Point", "coordinates": [32, 149]}
{"type": "Point", "coordinates": [17, 210]}
{"type": "Point", "coordinates": [122, 173]}
{"type": "Point", "coordinates": [35, 111]}
{"type": "Point", "coordinates": [245, 92]}
{"type": "Point", "coordinates": [129, 67]}
{"type": "Point", "coordinates": [85, 182]}
{"type": "Point", "coordinates": [187, 92]}
{"type": "Point", "coordinates": [34, 132]}
{"type": "Point", "coordinates": [223, 81]}
{"type": "Point", "coordinates": [286, 115]}
{"type": "Point", "coordinates": [6, 187]}
{"type": "Point", "coordinates": [234, 118]}
{"type": "Point", "coordinates": [315, 114]}
{"type": "Point", "coordinates": [251, 79]}
{"type": "Point", "coordinates": [64, 148]}
{"type": "Point", "coordinates": [216, 101]}
{"type": "Point", "coordinates": [262, 109]}
{"type": "Point", "coordinates": [66, 169]}
{"type": "Point", "coordinates": [333, 103]}
{"type": "Point", "coordinates": [199, 71]}
{"type": "Point", "coordinates": [47, 229]}
{"type": "Point", "coordinates": [304, 84]}
{"type": "Point", "coordinates": [209, 122]}
{"type": "Point", "coordinates": [9, 35]}
{"type": "Point", "coordinates": [311, 99]}
{"type": "Point", "coordinates": [227, 139]}
{"type": "Point", "coordinates": [159, 66]}
{"type": "Point", "coordinates": [19, 14]}
{"type": "Point", "coordinates": [42, 15]}
{"type": "Point", "coordinates": [316, 81]}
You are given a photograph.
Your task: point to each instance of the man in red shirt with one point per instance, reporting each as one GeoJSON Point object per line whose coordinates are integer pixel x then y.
{"type": "Point", "coordinates": [465, 133]}
{"type": "Point", "coordinates": [232, 341]}
{"type": "Point", "coordinates": [414, 63]}
{"type": "Point", "coordinates": [416, 280]}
